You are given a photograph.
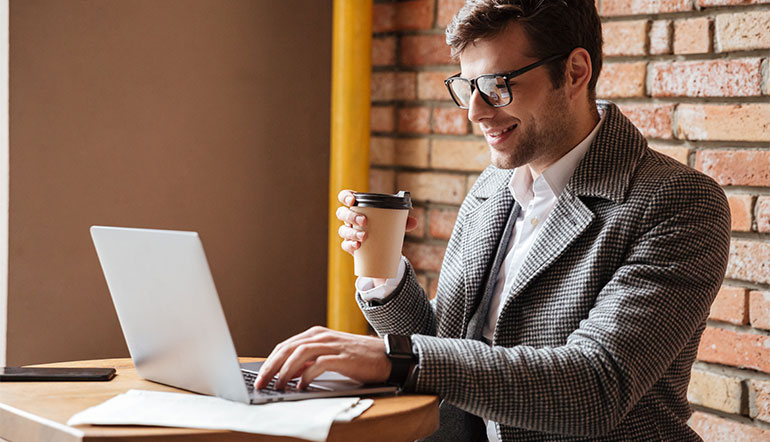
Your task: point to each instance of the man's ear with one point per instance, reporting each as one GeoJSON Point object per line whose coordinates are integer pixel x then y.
{"type": "Point", "coordinates": [578, 72]}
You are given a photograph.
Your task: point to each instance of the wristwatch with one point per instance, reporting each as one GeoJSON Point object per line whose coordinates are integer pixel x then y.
{"type": "Point", "coordinates": [404, 363]}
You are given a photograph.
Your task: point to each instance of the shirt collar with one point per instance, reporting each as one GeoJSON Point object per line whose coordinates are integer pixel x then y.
{"type": "Point", "coordinates": [556, 175]}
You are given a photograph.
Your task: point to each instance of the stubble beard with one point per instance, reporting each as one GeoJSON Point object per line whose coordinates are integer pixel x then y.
{"type": "Point", "coordinates": [539, 139]}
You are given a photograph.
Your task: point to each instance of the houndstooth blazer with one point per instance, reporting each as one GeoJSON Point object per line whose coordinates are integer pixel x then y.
{"type": "Point", "coordinates": [596, 339]}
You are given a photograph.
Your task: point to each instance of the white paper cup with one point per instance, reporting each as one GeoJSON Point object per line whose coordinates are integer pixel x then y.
{"type": "Point", "coordinates": [380, 252]}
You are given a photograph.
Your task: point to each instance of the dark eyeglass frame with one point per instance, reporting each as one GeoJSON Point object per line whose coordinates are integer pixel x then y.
{"type": "Point", "coordinates": [506, 77]}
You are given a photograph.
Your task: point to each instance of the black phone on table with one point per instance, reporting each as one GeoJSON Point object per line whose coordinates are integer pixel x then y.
{"type": "Point", "coordinates": [37, 374]}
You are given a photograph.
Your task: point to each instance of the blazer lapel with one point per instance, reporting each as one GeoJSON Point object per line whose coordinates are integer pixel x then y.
{"type": "Point", "coordinates": [604, 172]}
{"type": "Point", "coordinates": [568, 220]}
{"type": "Point", "coordinates": [484, 226]}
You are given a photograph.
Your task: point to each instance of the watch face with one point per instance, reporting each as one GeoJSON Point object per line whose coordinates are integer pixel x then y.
{"type": "Point", "coordinates": [398, 345]}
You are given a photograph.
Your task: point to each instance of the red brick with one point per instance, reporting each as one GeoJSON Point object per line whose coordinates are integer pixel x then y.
{"type": "Point", "coordinates": [660, 37]}
{"type": "Point", "coordinates": [433, 187]}
{"type": "Point", "coordinates": [430, 85]}
{"type": "Point", "coordinates": [405, 87]}
{"type": "Point", "coordinates": [381, 119]}
{"type": "Point", "coordinates": [742, 31]}
{"type": "Point", "coordinates": [470, 181]}
{"type": "Point", "coordinates": [423, 280]}
{"type": "Point", "coordinates": [433, 288]}
{"type": "Point", "coordinates": [735, 122]}
{"type": "Point", "coordinates": [653, 120]}
{"type": "Point", "coordinates": [716, 429]}
{"type": "Point", "coordinates": [412, 152]}
{"type": "Point", "coordinates": [383, 51]}
{"type": "Point", "coordinates": [635, 7]}
{"type": "Point", "coordinates": [759, 400]}
{"type": "Point", "coordinates": [625, 37]}
{"type": "Point", "coordinates": [450, 120]}
{"type": "Point", "coordinates": [731, 305]}
{"type": "Point", "coordinates": [679, 153]}
{"type": "Point", "coordinates": [735, 167]}
{"type": "Point", "coordinates": [419, 214]}
{"type": "Point", "coordinates": [476, 129]}
{"type": "Point", "coordinates": [383, 86]}
{"type": "Point", "coordinates": [441, 222]}
{"type": "Point", "coordinates": [692, 36]}
{"type": "Point", "coordinates": [766, 73]}
{"type": "Point", "coordinates": [759, 309]}
{"type": "Point", "coordinates": [763, 214]}
{"type": "Point", "coordinates": [714, 78]}
{"type": "Point", "coordinates": [712, 390]}
{"type": "Point", "coordinates": [709, 3]}
{"type": "Point", "coordinates": [425, 257]}
{"type": "Point", "coordinates": [447, 10]}
{"type": "Point", "coordinates": [466, 155]}
{"type": "Point", "coordinates": [414, 120]}
{"type": "Point", "coordinates": [622, 80]}
{"type": "Point", "coordinates": [749, 261]}
{"type": "Point", "coordinates": [741, 207]}
{"type": "Point", "coordinates": [382, 151]}
{"type": "Point", "coordinates": [382, 181]}
{"type": "Point", "coordinates": [736, 349]}
{"type": "Point", "coordinates": [388, 86]}
{"type": "Point", "coordinates": [401, 16]}
{"type": "Point", "coordinates": [422, 50]}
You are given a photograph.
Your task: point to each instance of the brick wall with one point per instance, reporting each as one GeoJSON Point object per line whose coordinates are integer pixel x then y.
{"type": "Point", "coordinates": [693, 75]}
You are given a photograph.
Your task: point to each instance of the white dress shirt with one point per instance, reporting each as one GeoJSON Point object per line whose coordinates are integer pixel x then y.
{"type": "Point", "coordinates": [537, 195]}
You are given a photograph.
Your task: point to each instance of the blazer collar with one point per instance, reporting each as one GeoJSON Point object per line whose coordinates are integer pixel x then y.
{"type": "Point", "coordinates": [607, 168]}
{"type": "Point", "coordinates": [491, 182]}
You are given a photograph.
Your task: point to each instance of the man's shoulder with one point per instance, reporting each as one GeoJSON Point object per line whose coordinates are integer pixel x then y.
{"type": "Point", "coordinates": [668, 178]}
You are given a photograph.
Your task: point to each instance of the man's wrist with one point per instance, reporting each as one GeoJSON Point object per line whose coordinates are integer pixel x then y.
{"type": "Point", "coordinates": [403, 360]}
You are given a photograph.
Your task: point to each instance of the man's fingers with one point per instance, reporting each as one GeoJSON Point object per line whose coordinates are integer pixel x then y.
{"type": "Point", "coordinates": [322, 364]}
{"type": "Point", "coordinates": [350, 246]}
{"type": "Point", "coordinates": [348, 216]}
{"type": "Point", "coordinates": [280, 354]}
{"type": "Point", "coordinates": [411, 223]}
{"type": "Point", "coordinates": [298, 360]}
{"type": "Point", "coordinates": [346, 197]}
{"type": "Point", "coordinates": [350, 233]}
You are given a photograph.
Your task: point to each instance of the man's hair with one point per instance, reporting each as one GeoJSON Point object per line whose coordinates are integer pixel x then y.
{"type": "Point", "coordinates": [552, 26]}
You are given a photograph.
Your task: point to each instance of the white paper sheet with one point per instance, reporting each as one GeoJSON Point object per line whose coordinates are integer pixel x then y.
{"type": "Point", "coordinates": [309, 419]}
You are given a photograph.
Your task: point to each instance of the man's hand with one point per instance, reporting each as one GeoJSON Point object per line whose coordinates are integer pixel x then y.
{"type": "Point", "coordinates": [353, 229]}
{"type": "Point", "coordinates": [320, 349]}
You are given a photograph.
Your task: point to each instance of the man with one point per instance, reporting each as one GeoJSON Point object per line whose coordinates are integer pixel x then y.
{"type": "Point", "coordinates": [581, 269]}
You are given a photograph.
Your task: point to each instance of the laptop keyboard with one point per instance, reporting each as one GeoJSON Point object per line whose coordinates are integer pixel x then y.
{"type": "Point", "coordinates": [291, 386]}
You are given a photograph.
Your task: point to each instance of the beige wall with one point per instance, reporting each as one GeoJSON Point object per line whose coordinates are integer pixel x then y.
{"type": "Point", "coordinates": [203, 115]}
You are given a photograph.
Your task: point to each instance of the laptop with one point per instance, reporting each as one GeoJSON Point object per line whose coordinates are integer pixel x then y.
{"type": "Point", "coordinates": [174, 325]}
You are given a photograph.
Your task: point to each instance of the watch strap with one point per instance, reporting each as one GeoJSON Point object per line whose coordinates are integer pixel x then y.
{"type": "Point", "coordinates": [399, 350]}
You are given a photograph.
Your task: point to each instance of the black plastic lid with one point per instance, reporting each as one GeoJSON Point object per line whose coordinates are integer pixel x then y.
{"type": "Point", "coordinates": [401, 200]}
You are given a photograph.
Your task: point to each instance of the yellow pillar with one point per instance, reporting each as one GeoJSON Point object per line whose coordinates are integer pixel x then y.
{"type": "Point", "coordinates": [349, 164]}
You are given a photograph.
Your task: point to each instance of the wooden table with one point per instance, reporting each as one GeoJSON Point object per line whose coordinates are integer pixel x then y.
{"type": "Point", "coordinates": [38, 411]}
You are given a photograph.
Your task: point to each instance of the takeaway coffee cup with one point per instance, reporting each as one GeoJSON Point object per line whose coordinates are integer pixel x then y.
{"type": "Point", "coordinates": [380, 253]}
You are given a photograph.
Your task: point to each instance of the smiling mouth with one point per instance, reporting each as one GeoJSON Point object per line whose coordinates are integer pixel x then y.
{"type": "Point", "coordinates": [502, 132]}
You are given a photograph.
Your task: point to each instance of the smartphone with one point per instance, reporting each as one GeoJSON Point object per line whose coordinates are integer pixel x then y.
{"type": "Point", "coordinates": [37, 374]}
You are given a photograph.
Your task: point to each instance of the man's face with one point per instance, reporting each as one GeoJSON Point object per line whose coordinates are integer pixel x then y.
{"type": "Point", "coordinates": [534, 126]}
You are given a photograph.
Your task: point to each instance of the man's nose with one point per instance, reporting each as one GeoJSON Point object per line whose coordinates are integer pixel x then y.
{"type": "Point", "coordinates": [478, 109]}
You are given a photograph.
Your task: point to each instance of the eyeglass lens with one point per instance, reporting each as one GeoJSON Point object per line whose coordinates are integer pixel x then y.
{"type": "Point", "coordinates": [492, 87]}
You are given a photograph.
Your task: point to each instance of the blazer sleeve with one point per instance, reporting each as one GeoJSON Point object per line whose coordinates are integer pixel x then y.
{"type": "Point", "coordinates": [406, 311]}
{"type": "Point", "coordinates": [654, 306]}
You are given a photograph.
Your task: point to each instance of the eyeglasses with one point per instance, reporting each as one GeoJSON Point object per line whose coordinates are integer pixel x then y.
{"type": "Point", "coordinates": [495, 89]}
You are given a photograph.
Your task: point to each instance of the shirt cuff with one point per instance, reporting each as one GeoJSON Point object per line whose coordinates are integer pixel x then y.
{"type": "Point", "coordinates": [369, 292]}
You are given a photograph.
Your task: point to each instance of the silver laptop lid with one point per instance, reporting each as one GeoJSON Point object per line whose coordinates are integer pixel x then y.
{"type": "Point", "coordinates": [169, 309]}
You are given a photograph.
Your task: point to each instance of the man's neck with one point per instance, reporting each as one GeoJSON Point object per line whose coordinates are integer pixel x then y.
{"type": "Point", "coordinates": [584, 123]}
